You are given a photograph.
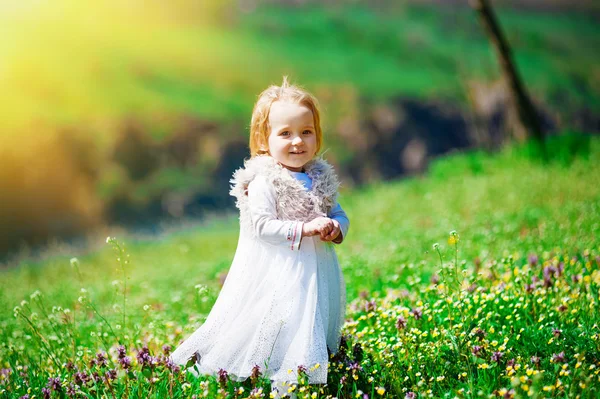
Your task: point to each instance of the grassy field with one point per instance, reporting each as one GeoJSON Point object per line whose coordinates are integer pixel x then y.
{"type": "Point", "coordinates": [479, 279]}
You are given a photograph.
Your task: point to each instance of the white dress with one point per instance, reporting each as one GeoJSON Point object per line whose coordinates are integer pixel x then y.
{"type": "Point", "coordinates": [282, 304]}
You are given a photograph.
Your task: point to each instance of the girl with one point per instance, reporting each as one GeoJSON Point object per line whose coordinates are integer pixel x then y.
{"type": "Point", "coordinates": [283, 302]}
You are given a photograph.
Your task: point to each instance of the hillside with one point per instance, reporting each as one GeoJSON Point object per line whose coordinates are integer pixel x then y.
{"type": "Point", "coordinates": [513, 223]}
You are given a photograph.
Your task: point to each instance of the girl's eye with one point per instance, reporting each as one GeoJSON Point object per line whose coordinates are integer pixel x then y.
{"type": "Point", "coordinates": [307, 132]}
{"type": "Point", "coordinates": [286, 133]}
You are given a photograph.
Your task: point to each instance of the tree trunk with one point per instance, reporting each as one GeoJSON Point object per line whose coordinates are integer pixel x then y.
{"type": "Point", "coordinates": [525, 110]}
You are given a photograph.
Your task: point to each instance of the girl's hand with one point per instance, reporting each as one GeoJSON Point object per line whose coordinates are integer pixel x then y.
{"type": "Point", "coordinates": [319, 226]}
{"type": "Point", "coordinates": [334, 233]}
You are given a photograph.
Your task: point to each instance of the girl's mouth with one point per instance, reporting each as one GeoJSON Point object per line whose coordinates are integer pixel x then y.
{"type": "Point", "coordinates": [297, 152]}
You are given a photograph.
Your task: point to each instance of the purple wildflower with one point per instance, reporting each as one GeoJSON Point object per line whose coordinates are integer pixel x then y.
{"type": "Point", "coordinates": [24, 397]}
{"type": "Point", "coordinates": [575, 278]}
{"type": "Point", "coordinates": [125, 362]}
{"type": "Point", "coordinates": [410, 395]}
{"type": "Point", "coordinates": [400, 323]}
{"type": "Point", "coordinates": [561, 268]}
{"type": "Point", "coordinates": [166, 349]}
{"type": "Point", "coordinates": [562, 308]}
{"type": "Point", "coordinates": [496, 356]}
{"type": "Point", "coordinates": [511, 362]}
{"type": "Point", "coordinates": [69, 365]}
{"type": "Point", "coordinates": [71, 390]}
{"type": "Point", "coordinates": [509, 394]}
{"type": "Point", "coordinates": [5, 371]}
{"type": "Point", "coordinates": [476, 350]}
{"type": "Point", "coordinates": [471, 288]}
{"type": "Point", "coordinates": [54, 384]}
{"type": "Point", "coordinates": [533, 260]}
{"type": "Point", "coordinates": [46, 393]}
{"type": "Point", "coordinates": [355, 366]}
{"type": "Point", "coordinates": [364, 294]}
{"type": "Point", "coordinates": [302, 370]}
{"type": "Point", "coordinates": [81, 378]}
{"type": "Point", "coordinates": [559, 358]}
{"type": "Point", "coordinates": [556, 332]}
{"type": "Point", "coordinates": [255, 373]}
{"type": "Point", "coordinates": [435, 279]}
{"type": "Point", "coordinates": [417, 312]}
{"type": "Point", "coordinates": [535, 360]}
{"type": "Point", "coordinates": [143, 357]}
{"type": "Point", "coordinates": [529, 288]}
{"type": "Point", "coordinates": [222, 377]}
{"type": "Point", "coordinates": [110, 375]}
{"type": "Point", "coordinates": [121, 352]}
{"type": "Point", "coordinates": [479, 333]}
{"type": "Point", "coordinates": [343, 380]}
{"type": "Point", "coordinates": [101, 359]}
{"type": "Point", "coordinates": [370, 306]}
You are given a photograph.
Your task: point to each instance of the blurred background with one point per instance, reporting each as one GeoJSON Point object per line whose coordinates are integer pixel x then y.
{"type": "Point", "coordinates": [132, 114]}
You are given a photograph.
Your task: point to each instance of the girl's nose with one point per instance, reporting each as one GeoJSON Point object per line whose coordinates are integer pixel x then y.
{"type": "Point", "coordinates": [297, 140]}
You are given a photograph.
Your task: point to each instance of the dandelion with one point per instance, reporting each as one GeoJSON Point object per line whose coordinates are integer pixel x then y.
{"type": "Point", "coordinates": [453, 239]}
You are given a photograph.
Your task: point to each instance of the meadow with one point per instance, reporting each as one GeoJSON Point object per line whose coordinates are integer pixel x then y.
{"type": "Point", "coordinates": [136, 109]}
{"type": "Point", "coordinates": [479, 279]}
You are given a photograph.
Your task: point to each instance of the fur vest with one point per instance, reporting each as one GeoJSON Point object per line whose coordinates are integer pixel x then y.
{"type": "Point", "coordinates": [293, 201]}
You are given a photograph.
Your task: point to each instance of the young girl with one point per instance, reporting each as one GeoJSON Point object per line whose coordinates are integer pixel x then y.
{"type": "Point", "coordinates": [283, 302]}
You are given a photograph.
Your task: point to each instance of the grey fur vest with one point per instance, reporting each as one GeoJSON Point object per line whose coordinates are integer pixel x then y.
{"type": "Point", "coordinates": [293, 201]}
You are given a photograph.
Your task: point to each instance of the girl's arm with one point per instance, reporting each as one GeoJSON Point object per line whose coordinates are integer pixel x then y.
{"type": "Point", "coordinates": [263, 211]}
{"type": "Point", "coordinates": [338, 214]}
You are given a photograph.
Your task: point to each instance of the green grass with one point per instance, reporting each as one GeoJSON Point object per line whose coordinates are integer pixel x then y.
{"type": "Point", "coordinates": [505, 208]}
{"type": "Point", "coordinates": [67, 70]}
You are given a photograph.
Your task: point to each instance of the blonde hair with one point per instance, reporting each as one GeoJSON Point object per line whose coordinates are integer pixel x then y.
{"type": "Point", "coordinates": [259, 125]}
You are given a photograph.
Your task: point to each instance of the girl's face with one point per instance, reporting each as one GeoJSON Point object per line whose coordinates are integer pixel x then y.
{"type": "Point", "coordinates": [292, 140]}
